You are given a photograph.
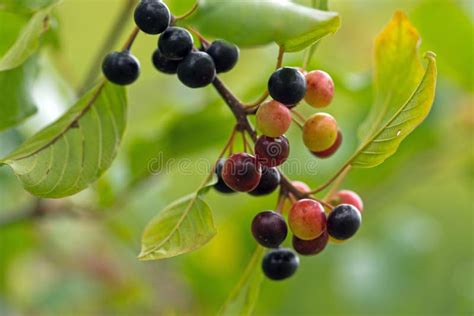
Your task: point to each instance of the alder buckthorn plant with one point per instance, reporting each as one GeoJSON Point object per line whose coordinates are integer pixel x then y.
{"type": "Point", "coordinates": [264, 88]}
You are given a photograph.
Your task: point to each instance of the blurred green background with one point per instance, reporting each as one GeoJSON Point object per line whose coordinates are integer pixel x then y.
{"type": "Point", "coordinates": [413, 256]}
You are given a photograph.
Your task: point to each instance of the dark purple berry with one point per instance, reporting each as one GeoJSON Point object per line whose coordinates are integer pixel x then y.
{"type": "Point", "coordinates": [121, 68]}
{"type": "Point", "coordinates": [224, 54]}
{"type": "Point", "coordinates": [197, 70]}
{"type": "Point", "coordinates": [241, 172]}
{"type": "Point", "coordinates": [175, 43]}
{"type": "Point", "coordinates": [343, 222]}
{"type": "Point", "coordinates": [272, 152]}
{"type": "Point", "coordinates": [287, 85]}
{"type": "Point", "coordinates": [164, 64]}
{"type": "Point", "coordinates": [269, 229]}
{"type": "Point", "coordinates": [280, 264]}
{"type": "Point", "coordinates": [152, 16]}
{"type": "Point", "coordinates": [269, 182]}
{"type": "Point", "coordinates": [310, 247]}
{"type": "Point", "coordinates": [220, 185]}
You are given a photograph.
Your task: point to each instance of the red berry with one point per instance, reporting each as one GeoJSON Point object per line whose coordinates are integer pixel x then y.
{"type": "Point", "coordinates": [301, 186]}
{"type": "Point", "coordinates": [331, 150]}
{"type": "Point", "coordinates": [348, 197]}
{"type": "Point", "coordinates": [307, 219]}
{"type": "Point", "coordinates": [272, 152]}
{"type": "Point", "coordinates": [320, 89]}
{"type": "Point", "coordinates": [310, 247]}
{"type": "Point", "coordinates": [273, 118]}
{"type": "Point", "coordinates": [241, 172]}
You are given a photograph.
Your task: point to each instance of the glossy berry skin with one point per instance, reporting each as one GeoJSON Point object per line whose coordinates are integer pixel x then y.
{"type": "Point", "coordinates": [152, 16]}
{"type": "Point", "coordinates": [348, 197]}
{"type": "Point", "coordinates": [343, 222]}
{"type": "Point", "coordinates": [269, 182]}
{"type": "Point", "coordinates": [287, 85]}
{"type": "Point", "coordinates": [269, 229]}
{"type": "Point", "coordinates": [307, 219]}
{"type": "Point", "coordinates": [121, 68]}
{"type": "Point", "coordinates": [224, 54]}
{"type": "Point", "coordinates": [310, 247]}
{"type": "Point", "coordinates": [197, 70]}
{"type": "Point", "coordinates": [303, 187]}
{"type": "Point", "coordinates": [163, 64]}
{"type": "Point", "coordinates": [320, 132]}
{"type": "Point", "coordinates": [175, 43]}
{"type": "Point", "coordinates": [241, 172]}
{"type": "Point", "coordinates": [320, 89]}
{"type": "Point", "coordinates": [220, 185]}
{"type": "Point", "coordinates": [273, 119]}
{"type": "Point", "coordinates": [280, 264]}
{"type": "Point", "coordinates": [331, 150]}
{"type": "Point", "coordinates": [272, 152]}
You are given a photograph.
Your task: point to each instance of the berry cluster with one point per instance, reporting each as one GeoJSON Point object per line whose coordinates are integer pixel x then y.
{"type": "Point", "coordinates": [313, 223]}
{"type": "Point", "coordinates": [175, 53]}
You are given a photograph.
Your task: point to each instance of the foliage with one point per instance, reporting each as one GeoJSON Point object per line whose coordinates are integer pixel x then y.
{"type": "Point", "coordinates": [418, 211]}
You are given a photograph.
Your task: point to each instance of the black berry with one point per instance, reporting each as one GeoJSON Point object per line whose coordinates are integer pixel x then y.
{"type": "Point", "coordinates": [152, 16]}
{"type": "Point", "coordinates": [121, 68]}
{"type": "Point", "coordinates": [310, 247]}
{"type": "Point", "coordinates": [343, 222]}
{"type": "Point", "coordinates": [269, 229]}
{"type": "Point", "coordinates": [280, 264]}
{"type": "Point", "coordinates": [175, 43]}
{"type": "Point", "coordinates": [287, 85]}
{"type": "Point", "coordinates": [269, 181]}
{"type": "Point", "coordinates": [220, 185]}
{"type": "Point", "coordinates": [224, 54]}
{"type": "Point", "coordinates": [197, 70]}
{"type": "Point", "coordinates": [164, 64]}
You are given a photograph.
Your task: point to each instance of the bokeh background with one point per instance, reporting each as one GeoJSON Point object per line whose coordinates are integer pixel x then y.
{"type": "Point", "coordinates": [413, 256]}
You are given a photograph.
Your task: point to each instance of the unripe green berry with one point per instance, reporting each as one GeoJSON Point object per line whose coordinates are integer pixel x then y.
{"type": "Point", "coordinates": [320, 132]}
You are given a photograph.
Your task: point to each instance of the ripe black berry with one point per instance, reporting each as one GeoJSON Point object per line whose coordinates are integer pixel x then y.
{"type": "Point", "coordinates": [121, 68]}
{"type": "Point", "coordinates": [175, 43]}
{"type": "Point", "coordinates": [287, 85]}
{"type": "Point", "coordinates": [269, 229]}
{"type": "Point", "coordinates": [224, 54]}
{"type": "Point", "coordinates": [343, 222]}
{"type": "Point", "coordinates": [197, 70]}
{"type": "Point", "coordinates": [280, 264]}
{"type": "Point", "coordinates": [269, 181]}
{"type": "Point", "coordinates": [152, 16]}
{"type": "Point", "coordinates": [310, 247]}
{"type": "Point", "coordinates": [164, 64]}
{"type": "Point", "coordinates": [220, 184]}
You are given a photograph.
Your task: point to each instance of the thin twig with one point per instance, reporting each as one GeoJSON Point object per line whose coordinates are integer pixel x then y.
{"type": "Point", "coordinates": [299, 115]}
{"type": "Point", "coordinates": [330, 181]}
{"type": "Point", "coordinates": [187, 14]}
{"type": "Point", "coordinates": [297, 123]}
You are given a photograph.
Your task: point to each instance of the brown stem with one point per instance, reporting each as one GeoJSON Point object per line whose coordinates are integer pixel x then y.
{"type": "Point", "coordinates": [330, 181]}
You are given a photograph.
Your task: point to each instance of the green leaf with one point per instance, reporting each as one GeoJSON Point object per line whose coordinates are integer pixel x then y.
{"type": "Point", "coordinates": [68, 155]}
{"type": "Point", "coordinates": [27, 41]}
{"type": "Point", "coordinates": [403, 94]}
{"type": "Point", "coordinates": [16, 103]}
{"type": "Point", "coordinates": [183, 226]}
{"type": "Point", "coordinates": [251, 23]}
{"type": "Point", "coordinates": [244, 296]}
